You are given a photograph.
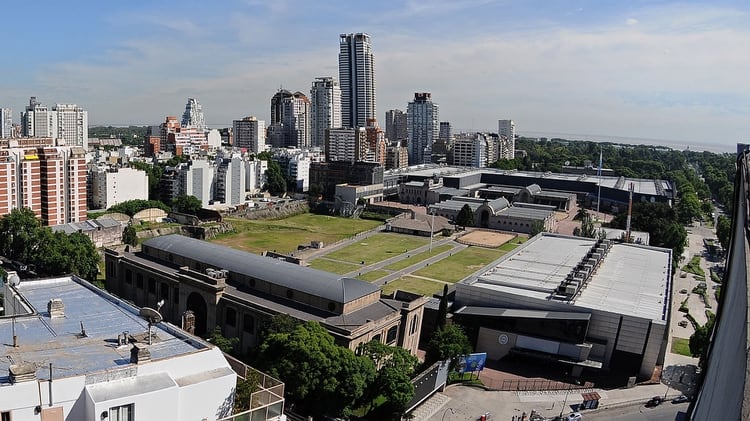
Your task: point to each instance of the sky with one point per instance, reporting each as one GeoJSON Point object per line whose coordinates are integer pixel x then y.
{"type": "Point", "coordinates": [678, 71]}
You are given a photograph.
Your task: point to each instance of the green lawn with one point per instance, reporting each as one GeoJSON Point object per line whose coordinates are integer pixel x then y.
{"type": "Point", "coordinates": [284, 235]}
{"type": "Point", "coordinates": [694, 266]}
{"type": "Point", "coordinates": [681, 346]}
{"type": "Point", "coordinates": [461, 264]}
{"type": "Point", "coordinates": [373, 275]}
{"type": "Point", "coordinates": [413, 284]}
{"type": "Point", "coordinates": [332, 266]}
{"type": "Point", "coordinates": [405, 263]}
{"type": "Point", "coordinates": [378, 247]}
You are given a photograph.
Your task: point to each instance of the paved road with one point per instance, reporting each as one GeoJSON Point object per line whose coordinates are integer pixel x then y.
{"type": "Point", "coordinates": [664, 412]}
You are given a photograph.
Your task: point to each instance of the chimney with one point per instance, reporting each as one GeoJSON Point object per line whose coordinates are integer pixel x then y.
{"type": "Point", "coordinates": [139, 353]}
{"type": "Point", "coordinates": [56, 308]}
{"type": "Point", "coordinates": [22, 372]}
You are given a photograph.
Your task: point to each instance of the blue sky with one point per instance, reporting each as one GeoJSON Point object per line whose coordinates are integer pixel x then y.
{"type": "Point", "coordinates": [646, 69]}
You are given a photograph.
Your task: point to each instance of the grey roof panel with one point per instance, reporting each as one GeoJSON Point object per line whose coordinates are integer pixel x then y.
{"type": "Point", "coordinates": [528, 314]}
{"type": "Point", "coordinates": [310, 281]}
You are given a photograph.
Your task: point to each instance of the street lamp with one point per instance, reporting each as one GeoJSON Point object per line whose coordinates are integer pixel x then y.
{"type": "Point", "coordinates": [446, 411]}
{"type": "Point", "coordinates": [432, 227]}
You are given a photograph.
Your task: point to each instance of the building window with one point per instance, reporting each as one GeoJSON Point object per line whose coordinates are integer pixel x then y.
{"type": "Point", "coordinates": [376, 338]}
{"type": "Point", "coordinates": [121, 413]}
{"type": "Point", "coordinates": [151, 286]}
{"type": "Point", "coordinates": [248, 323]}
{"type": "Point", "coordinates": [414, 323]}
{"type": "Point", "coordinates": [5, 416]}
{"type": "Point", "coordinates": [139, 281]}
{"type": "Point", "coordinates": [128, 276]}
{"type": "Point", "coordinates": [390, 337]}
{"type": "Point", "coordinates": [230, 317]}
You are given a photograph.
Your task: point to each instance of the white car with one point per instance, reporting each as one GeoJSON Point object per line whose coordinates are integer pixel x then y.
{"type": "Point", "coordinates": [575, 416]}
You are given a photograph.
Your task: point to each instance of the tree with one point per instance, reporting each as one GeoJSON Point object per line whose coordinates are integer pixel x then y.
{"type": "Point", "coordinates": [689, 207]}
{"type": "Point", "coordinates": [60, 253]}
{"type": "Point", "coordinates": [393, 380]}
{"type": "Point", "coordinates": [448, 342]}
{"type": "Point", "coordinates": [724, 231]}
{"type": "Point", "coordinates": [587, 228]}
{"type": "Point", "coordinates": [131, 207]}
{"type": "Point", "coordinates": [187, 204]}
{"type": "Point", "coordinates": [129, 236]}
{"type": "Point", "coordinates": [700, 340]}
{"type": "Point", "coordinates": [276, 183]}
{"type": "Point", "coordinates": [225, 344]}
{"type": "Point", "coordinates": [581, 214]}
{"type": "Point", "coordinates": [443, 309]}
{"type": "Point", "coordinates": [660, 220]}
{"type": "Point", "coordinates": [465, 217]}
{"type": "Point", "coordinates": [19, 231]}
{"type": "Point", "coordinates": [536, 228]}
{"type": "Point", "coordinates": [320, 376]}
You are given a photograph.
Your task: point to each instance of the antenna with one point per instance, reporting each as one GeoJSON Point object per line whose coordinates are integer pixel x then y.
{"type": "Point", "coordinates": [152, 317]}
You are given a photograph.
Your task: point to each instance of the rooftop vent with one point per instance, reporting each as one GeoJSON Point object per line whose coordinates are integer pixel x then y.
{"type": "Point", "coordinates": [56, 308]}
{"type": "Point", "coordinates": [22, 372]}
{"type": "Point", "coordinates": [139, 353]}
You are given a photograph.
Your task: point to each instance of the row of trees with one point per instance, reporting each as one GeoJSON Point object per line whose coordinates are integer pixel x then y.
{"type": "Point", "coordinates": [23, 238]}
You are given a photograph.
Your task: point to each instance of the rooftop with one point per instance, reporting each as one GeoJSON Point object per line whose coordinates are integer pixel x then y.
{"type": "Point", "coordinates": [43, 340]}
{"type": "Point", "coordinates": [631, 279]}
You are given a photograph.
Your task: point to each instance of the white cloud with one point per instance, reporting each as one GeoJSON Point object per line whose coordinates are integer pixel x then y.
{"type": "Point", "coordinates": [631, 21]}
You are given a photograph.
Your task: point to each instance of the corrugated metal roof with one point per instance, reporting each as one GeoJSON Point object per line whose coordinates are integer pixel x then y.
{"type": "Point", "coordinates": [528, 314]}
{"type": "Point", "coordinates": [310, 281]}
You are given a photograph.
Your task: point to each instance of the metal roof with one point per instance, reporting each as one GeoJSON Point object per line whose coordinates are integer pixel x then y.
{"type": "Point", "coordinates": [307, 280]}
{"type": "Point", "coordinates": [42, 340]}
{"type": "Point", "coordinates": [518, 313]}
{"type": "Point", "coordinates": [631, 279]}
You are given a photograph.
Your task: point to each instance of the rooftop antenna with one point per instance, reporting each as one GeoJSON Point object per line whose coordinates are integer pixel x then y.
{"type": "Point", "coordinates": [152, 317]}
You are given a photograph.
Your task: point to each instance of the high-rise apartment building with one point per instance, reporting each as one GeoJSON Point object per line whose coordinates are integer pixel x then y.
{"type": "Point", "coordinates": [249, 133]}
{"type": "Point", "coordinates": [446, 131]}
{"type": "Point", "coordinates": [325, 108]}
{"type": "Point", "coordinates": [507, 131]}
{"type": "Point", "coordinates": [230, 181]}
{"type": "Point", "coordinates": [357, 78]}
{"type": "Point", "coordinates": [6, 123]}
{"type": "Point", "coordinates": [375, 143]}
{"type": "Point", "coordinates": [193, 115]}
{"type": "Point", "coordinates": [110, 186]}
{"type": "Point", "coordinates": [345, 144]}
{"type": "Point", "coordinates": [290, 120]}
{"type": "Point", "coordinates": [67, 124]}
{"type": "Point", "coordinates": [423, 128]}
{"type": "Point", "coordinates": [395, 127]}
{"type": "Point", "coordinates": [474, 150]}
{"type": "Point", "coordinates": [49, 180]}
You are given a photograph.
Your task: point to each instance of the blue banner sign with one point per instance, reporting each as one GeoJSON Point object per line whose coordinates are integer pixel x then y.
{"type": "Point", "coordinates": [472, 362]}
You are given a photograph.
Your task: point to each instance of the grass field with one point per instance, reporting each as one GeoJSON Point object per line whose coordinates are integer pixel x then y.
{"type": "Point", "coordinates": [284, 235]}
{"type": "Point", "coordinates": [405, 263]}
{"type": "Point", "coordinates": [681, 346]}
{"type": "Point", "coordinates": [377, 248]}
{"type": "Point", "coordinates": [373, 275]}
{"type": "Point", "coordinates": [413, 284]}
{"type": "Point", "coordinates": [333, 266]}
{"type": "Point", "coordinates": [461, 264]}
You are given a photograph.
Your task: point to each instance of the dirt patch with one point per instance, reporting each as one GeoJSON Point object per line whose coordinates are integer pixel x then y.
{"type": "Point", "coordinates": [484, 238]}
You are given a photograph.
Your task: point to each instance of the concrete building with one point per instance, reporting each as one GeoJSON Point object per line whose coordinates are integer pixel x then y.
{"type": "Point", "coordinates": [66, 123]}
{"type": "Point", "coordinates": [582, 303]}
{"type": "Point", "coordinates": [346, 144]}
{"type": "Point", "coordinates": [197, 179]}
{"type": "Point", "coordinates": [499, 214]}
{"type": "Point", "coordinates": [110, 186]}
{"type": "Point", "coordinates": [326, 175]}
{"type": "Point", "coordinates": [352, 194]}
{"type": "Point", "coordinates": [476, 150]}
{"type": "Point", "coordinates": [230, 180]}
{"type": "Point", "coordinates": [325, 109]}
{"type": "Point", "coordinates": [507, 131]}
{"type": "Point", "coordinates": [83, 354]}
{"type": "Point", "coordinates": [255, 175]}
{"type": "Point", "coordinates": [50, 180]}
{"type": "Point", "coordinates": [290, 120]}
{"type": "Point", "coordinates": [6, 123]}
{"type": "Point", "coordinates": [104, 231]}
{"type": "Point", "coordinates": [395, 127]}
{"type": "Point", "coordinates": [238, 291]}
{"type": "Point", "coordinates": [396, 156]}
{"type": "Point", "coordinates": [376, 143]}
{"type": "Point", "coordinates": [193, 116]}
{"type": "Point", "coordinates": [357, 78]}
{"type": "Point", "coordinates": [423, 127]}
{"type": "Point", "coordinates": [249, 133]}
{"type": "Point", "coordinates": [446, 131]}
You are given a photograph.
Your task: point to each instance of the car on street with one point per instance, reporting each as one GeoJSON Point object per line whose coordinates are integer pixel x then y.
{"type": "Point", "coordinates": [654, 402]}
{"type": "Point", "coordinates": [681, 399]}
{"type": "Point", "coordinates": [683, 291]}
{"type": "Point", "coordinates": [575, 416]}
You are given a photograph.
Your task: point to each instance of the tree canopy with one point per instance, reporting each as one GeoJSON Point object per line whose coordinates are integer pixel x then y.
{"type": "Point", "coordinates": [660, 221]}
{"type": "Point", "coordinates": [465, 217]}
{"type": "Point", "coordinates": [396, 366]}
{"type": "Point", "coordinates": [131, 207]}
{"type": "Point", "coordinates": [187, 204]}
{"type": "Point", "coordinates": [23, 238]}
{"type": "Point", "coordinates": [723, 230]}
{"type": "Point", "coordinates": [448, 342]}
{"type": "Point", "coordinates": [275, 180]}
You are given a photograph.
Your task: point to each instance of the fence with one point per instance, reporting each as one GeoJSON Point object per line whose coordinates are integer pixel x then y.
{"type": "Point", "coordinates": [512, 385]}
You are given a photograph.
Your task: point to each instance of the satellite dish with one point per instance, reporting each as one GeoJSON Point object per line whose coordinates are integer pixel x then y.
{"type": "Point", "coordinates": [13, 279]}
{"type": "Point", "coordinates": [150, 315]}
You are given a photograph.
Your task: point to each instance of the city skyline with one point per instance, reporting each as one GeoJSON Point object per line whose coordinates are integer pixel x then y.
{"type": "Point", "coordinates": [652, 70]}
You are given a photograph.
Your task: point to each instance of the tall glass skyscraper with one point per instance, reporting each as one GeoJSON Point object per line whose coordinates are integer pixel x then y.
{"type": "Point", "coordinates": [423, 126]}
{"type": "Point", "coordinates": [357, 79]}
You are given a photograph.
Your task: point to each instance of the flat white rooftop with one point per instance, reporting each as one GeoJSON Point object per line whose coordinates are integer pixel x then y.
{"type": "Point", "coordinates": [631, 280]}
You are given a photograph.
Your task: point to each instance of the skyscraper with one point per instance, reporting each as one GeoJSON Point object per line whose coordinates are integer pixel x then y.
{"type": "Point", "coordinates": [193, 115]}
{"type": "Point", "coordinates": [357, 77]}
{"type": "Point", "coordinates": [423, 128]}
{"type": "Point", "coordinates": [395, 127]}
{"type": "Point", "coordinates": [67, 123]}
{"type": "Point", "coordinates": [325, 108]}
{"type": "Point", "coordinates": [507, 131]}
{"type": "Point", "coordinates": [6, 122]}
{"type": "Point", "coordinates": [446, 130]}
{"type": "Point", "coordinates": [290, 120]}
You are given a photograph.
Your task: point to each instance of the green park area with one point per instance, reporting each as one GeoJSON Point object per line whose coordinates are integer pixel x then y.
{"type": "Point", "coordinates": [460, 265]}
{"type": "Point", "coordinates": [333, 266]}
{"type": "Point", "coordinates": [377, 248]}
{"type": "Point", "coordinates": [284, 235]}
{"type": "Point", "coordinates": [413, 284]}
{"type": "Point", "coordinates": [373, 275]}
{"type": "Point", "coordinates": [681, 346]}
{"type": "Point", "coordinates": [412, 260]}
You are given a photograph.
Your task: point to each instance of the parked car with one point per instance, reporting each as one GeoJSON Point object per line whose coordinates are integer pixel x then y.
{"type": "Point", "coordinates": [655, 401]}
{"type": "Point", "coordinates": [681, 399]}
{"type": "Point", "coordinates": [575, 416]}
{"type": "Point", "coordinates": [682, 323]}
{"type": "Point", "coordinates": [683, 291]}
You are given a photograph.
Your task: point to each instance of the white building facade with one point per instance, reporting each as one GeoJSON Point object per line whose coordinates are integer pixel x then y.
{"type": "Point", "coordinates": [66, 123]}
{"type": "Point", "coordinates": [110, 186]}
{"type": "Point", "coordinates": [197, 179]}
{"type": "Point", "coordinates": [325, 108]}
{"type": "Point", "coordinates": [507, 131]}
{"type": "Point", "coordinates": [6, 122]}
